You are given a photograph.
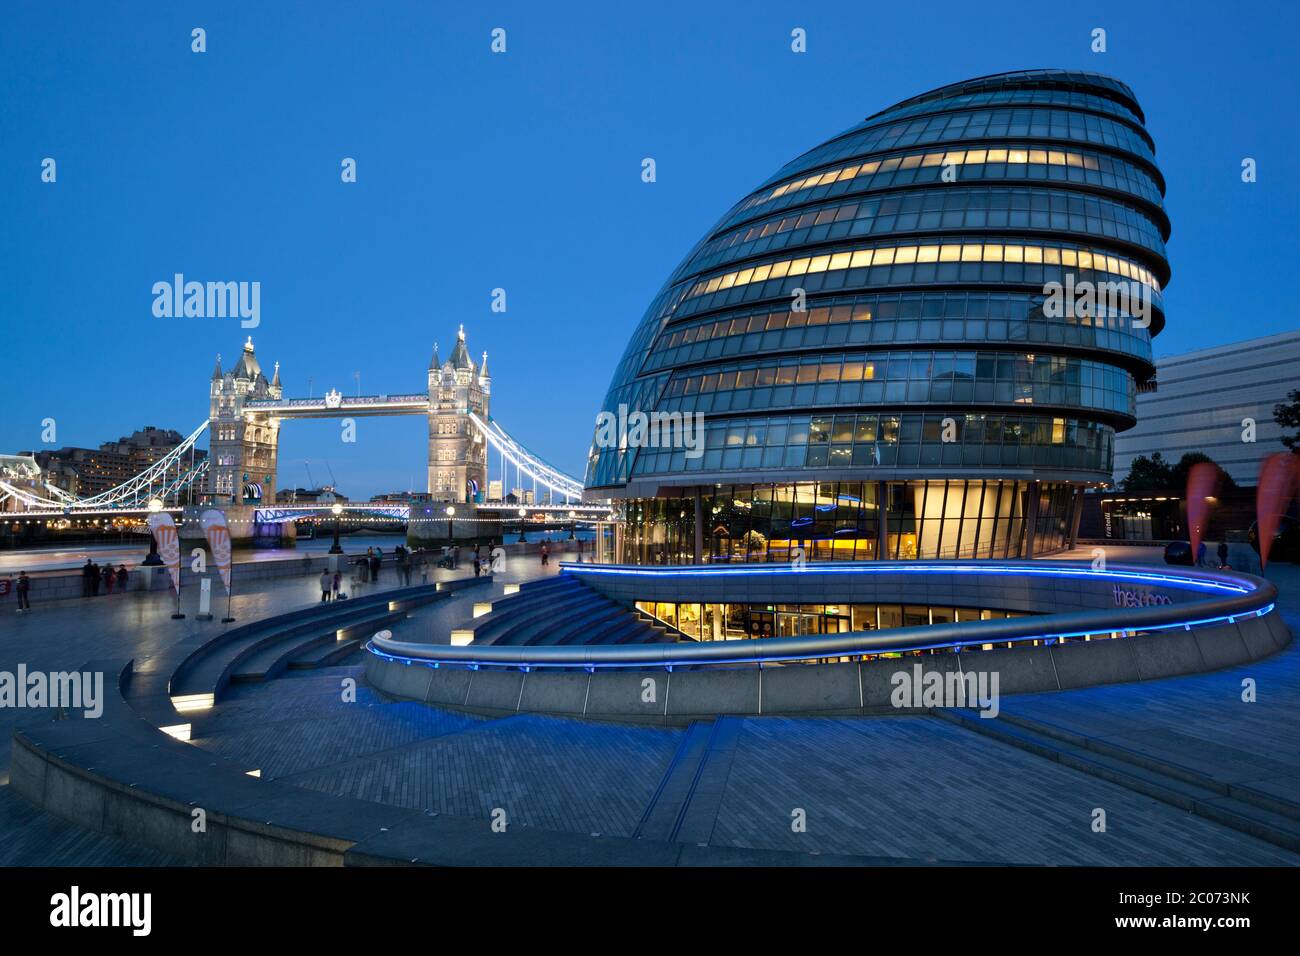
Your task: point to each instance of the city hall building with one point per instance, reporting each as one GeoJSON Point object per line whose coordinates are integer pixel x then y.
{"type": "Point", "coordinates": [873, 345]}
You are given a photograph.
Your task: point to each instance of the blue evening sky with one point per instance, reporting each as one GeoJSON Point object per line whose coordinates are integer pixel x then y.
{"type": "Point", "coordinates": [519, 171]}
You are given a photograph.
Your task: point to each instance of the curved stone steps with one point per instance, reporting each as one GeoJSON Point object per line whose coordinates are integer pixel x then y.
{"type": "Point", "coordinates": [523, 611]}
{"type": "Point", "coordinates": [210, 670]}
{"type": "Point", "coordinates": [534, 626]}
{"type": "Point", "coordinates": [325, 655]}
{"type": "Point", "coordinates": [270, 659]}
{"type": "Point", "coordinates": [570, 632]}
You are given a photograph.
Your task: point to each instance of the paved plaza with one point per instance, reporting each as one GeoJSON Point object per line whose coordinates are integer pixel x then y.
{"type": "Point", "coordinates": [896, 788]}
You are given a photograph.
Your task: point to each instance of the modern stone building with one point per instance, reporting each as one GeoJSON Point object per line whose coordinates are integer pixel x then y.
{"type": "Point", "coordinates": [1203, 401]}
{"type": "Point", "coordinates": [874, 340]}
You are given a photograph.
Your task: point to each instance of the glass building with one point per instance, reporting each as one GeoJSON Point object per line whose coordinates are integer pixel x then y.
{"type": "Point", "coordinates": [916, 340]}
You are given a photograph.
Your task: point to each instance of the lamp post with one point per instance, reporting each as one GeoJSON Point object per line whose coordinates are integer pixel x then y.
{"type": "Point", "coordinates": [523, 513]}
{"type": "Point", "coordinates": [153, 559]}
{"type": "Point", "coordinates": [337, 509]}
{"type": "Point", "coordinates": [451, 530]}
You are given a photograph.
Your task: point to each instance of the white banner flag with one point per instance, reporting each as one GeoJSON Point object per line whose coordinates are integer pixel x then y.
{"type": "Point", "coordinates": [169, 544]}
{"type": "Point", "coordinates": [217, 532]}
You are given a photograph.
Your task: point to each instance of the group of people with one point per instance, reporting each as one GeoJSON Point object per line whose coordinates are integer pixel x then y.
{"type": "Point", "coordinates": [367, 567]}
{"type": "Point", "coordinates": [329, 585]}
{"type": "Point", "coordinates": [93, 575]}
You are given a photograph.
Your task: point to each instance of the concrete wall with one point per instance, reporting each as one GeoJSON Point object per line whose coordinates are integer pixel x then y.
{"type": "Point", "coordinates": [679, 696]}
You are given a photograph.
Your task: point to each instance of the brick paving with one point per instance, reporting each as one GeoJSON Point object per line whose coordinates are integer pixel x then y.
{"type": "Point", "coordinates": [914, 788]}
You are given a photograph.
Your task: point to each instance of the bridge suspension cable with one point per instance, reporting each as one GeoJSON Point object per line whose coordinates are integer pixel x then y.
{"type": "Point", "coordinates": [143, 483]}
{"type": "Point", "coordinates": [525, 461]}
{"type": "Point", "coordinates": [154, 481]}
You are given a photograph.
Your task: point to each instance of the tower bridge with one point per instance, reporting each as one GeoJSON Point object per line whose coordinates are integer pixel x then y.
{"type": "Point", "coordinates": [246, 412]}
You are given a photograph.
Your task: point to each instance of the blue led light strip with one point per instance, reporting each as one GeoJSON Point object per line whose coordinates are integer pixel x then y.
{"type": "Point", "coordinates": [866, 568]}
{"type": "Point", "coordinates": [620, 657]}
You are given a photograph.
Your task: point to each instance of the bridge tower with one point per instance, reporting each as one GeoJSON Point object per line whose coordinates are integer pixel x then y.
{"type": "Point", "coordinates": [457, 451]}
{"type": "Point", "coordinates": [243, 444]}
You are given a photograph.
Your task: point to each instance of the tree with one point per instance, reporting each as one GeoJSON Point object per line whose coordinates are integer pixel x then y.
{"type": "Point", "coordinates": [1149, 474]}
{"type": "Point", "coordinates": [1287, 414]}
{"type": "Point", "coordinates": [1178, 474]}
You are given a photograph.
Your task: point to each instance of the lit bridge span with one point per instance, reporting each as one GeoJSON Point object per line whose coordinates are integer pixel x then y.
{"type": "Point", "coordinates": [178, 474]}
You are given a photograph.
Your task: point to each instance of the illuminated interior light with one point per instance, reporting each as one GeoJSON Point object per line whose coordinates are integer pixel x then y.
{"type": "Point", "coordinates": [189, 703]}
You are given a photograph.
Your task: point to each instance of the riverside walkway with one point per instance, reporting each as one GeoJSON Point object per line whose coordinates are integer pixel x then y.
{"type": "Point", "coordinates": [897, 789]}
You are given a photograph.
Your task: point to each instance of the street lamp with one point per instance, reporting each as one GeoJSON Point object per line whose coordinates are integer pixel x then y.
{"type": "Point", "coordinates": [523, 513]}
{"type": "Point", "coordinates": [451, 535]}
{"type": "Point", "coordinates": [153, 558]}
{"type": "Point", "coordinates": [337, 509]}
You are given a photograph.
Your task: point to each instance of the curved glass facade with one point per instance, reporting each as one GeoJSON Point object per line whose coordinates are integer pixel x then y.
{"type": "Point", "coordinates": [885, 314]}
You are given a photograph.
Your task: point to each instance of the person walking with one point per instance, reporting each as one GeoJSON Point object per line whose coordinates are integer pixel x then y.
{"type": "Point", "coordinates": [376, 560]}
{"type": "Point", "coordinates": [122, 577]}
{"type": "Point", "coordinates": [365, 564]}
{"type": "Point", "coordinates": [546, 555]}
{"type": "Point", "coordinates": [110, 577]}
{"type": "Point", "coordinates": [325, 585]}
{"type": "Point", "coordinates": [334, 591]}
{"type": "Point", "coordinates": [1223, 554]}
{"type": "Point", "coordinates": [455, 556]}
{"type": "Point", "coordinates": [478, 564]}
{"type": "Point", "coordinates": [24, 586]}
{"type": "Point", "coordinates": [1200, 555]}
{"type": "Point", "coordinates": [86, 572]}
{"type": "Point", "coordinates": [94, 579]}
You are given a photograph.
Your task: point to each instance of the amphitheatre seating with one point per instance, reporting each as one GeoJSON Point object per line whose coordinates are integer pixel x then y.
{"type": "Point", "coordinates": [565, 610]}
{"type": "Point", "coordinates": [192, 674]}
{"type": "Point", "coordinates": [262, 649]}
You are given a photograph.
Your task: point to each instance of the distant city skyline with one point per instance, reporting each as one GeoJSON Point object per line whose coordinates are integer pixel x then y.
{"type": "Point", "coordinates": [519, 171]}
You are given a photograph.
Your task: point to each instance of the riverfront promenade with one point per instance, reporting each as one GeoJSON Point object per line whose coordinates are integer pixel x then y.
{"type": "Point", "coordinates": [893, 789]}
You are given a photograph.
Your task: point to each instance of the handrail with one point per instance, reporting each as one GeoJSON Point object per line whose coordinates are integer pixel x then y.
{"type": "Point", "coordinates": [1229, 595]}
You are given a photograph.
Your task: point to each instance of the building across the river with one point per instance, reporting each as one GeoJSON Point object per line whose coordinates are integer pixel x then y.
{"type": "Point", "coordinates": [1218, 401]}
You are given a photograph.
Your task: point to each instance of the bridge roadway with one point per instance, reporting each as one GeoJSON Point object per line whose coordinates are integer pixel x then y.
{"type": "Point", "coordinates": [891, 789]}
